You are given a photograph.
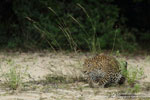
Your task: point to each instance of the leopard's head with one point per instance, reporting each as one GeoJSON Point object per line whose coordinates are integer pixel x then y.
{"type": "Point", "coordinates": [87, 66]}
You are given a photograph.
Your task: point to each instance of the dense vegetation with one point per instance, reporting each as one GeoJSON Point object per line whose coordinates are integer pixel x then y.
{"type": "Point", "coordinates": [75, 25]}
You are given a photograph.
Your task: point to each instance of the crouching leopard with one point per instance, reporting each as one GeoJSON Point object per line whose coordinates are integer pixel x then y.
{"type": "Point", "coordinates": [103, 70]}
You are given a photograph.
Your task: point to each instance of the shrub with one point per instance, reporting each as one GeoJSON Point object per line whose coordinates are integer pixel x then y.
{"type": "Point", "coordinates": [94, 28]}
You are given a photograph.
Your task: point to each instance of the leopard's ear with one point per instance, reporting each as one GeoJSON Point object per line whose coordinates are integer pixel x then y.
{"type": "Point", "coordinates": [85, 59]}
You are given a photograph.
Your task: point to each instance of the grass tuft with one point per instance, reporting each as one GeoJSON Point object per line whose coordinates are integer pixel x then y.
{"type": "Point", "coordinates": [133, 75]}
{"type": "Point", "coordinates": [13, 79]}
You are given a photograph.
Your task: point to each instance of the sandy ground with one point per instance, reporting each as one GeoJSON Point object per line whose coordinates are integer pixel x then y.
{"type": "Point", "coordinates": [40, 66]}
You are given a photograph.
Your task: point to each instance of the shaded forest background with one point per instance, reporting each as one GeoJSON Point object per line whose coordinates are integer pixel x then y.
{"type": "Point", "coordinates": [89, 25]}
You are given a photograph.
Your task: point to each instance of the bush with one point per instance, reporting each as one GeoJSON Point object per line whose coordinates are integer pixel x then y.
{"type": "Point", "coordinates": [68, 25]}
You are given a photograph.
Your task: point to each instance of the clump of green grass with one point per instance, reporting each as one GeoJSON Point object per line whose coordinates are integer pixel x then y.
{"type": "Point", "coordinates": [136, 88]}
{"type": "Point", "coordinates": [13, 78]}
{"type": "Point", "coordinates": [133, 75]}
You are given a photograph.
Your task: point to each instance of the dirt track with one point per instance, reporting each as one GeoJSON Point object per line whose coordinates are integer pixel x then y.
{"type": "Point", "coordinates": [41, 65]}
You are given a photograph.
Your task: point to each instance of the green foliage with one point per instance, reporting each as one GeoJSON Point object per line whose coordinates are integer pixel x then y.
{"type": "Point", "coordinates": [135, 89]}
{"type": "Point", "coordinates": [67, 25]}
{"type": "Point", "coordinates": [133, 75]}
{"type": "Point", "coordinates": [14, 77]}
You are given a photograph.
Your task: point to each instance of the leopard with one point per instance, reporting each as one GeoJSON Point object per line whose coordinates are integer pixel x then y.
{"type": "Point", "coordinates": [103, 70]}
